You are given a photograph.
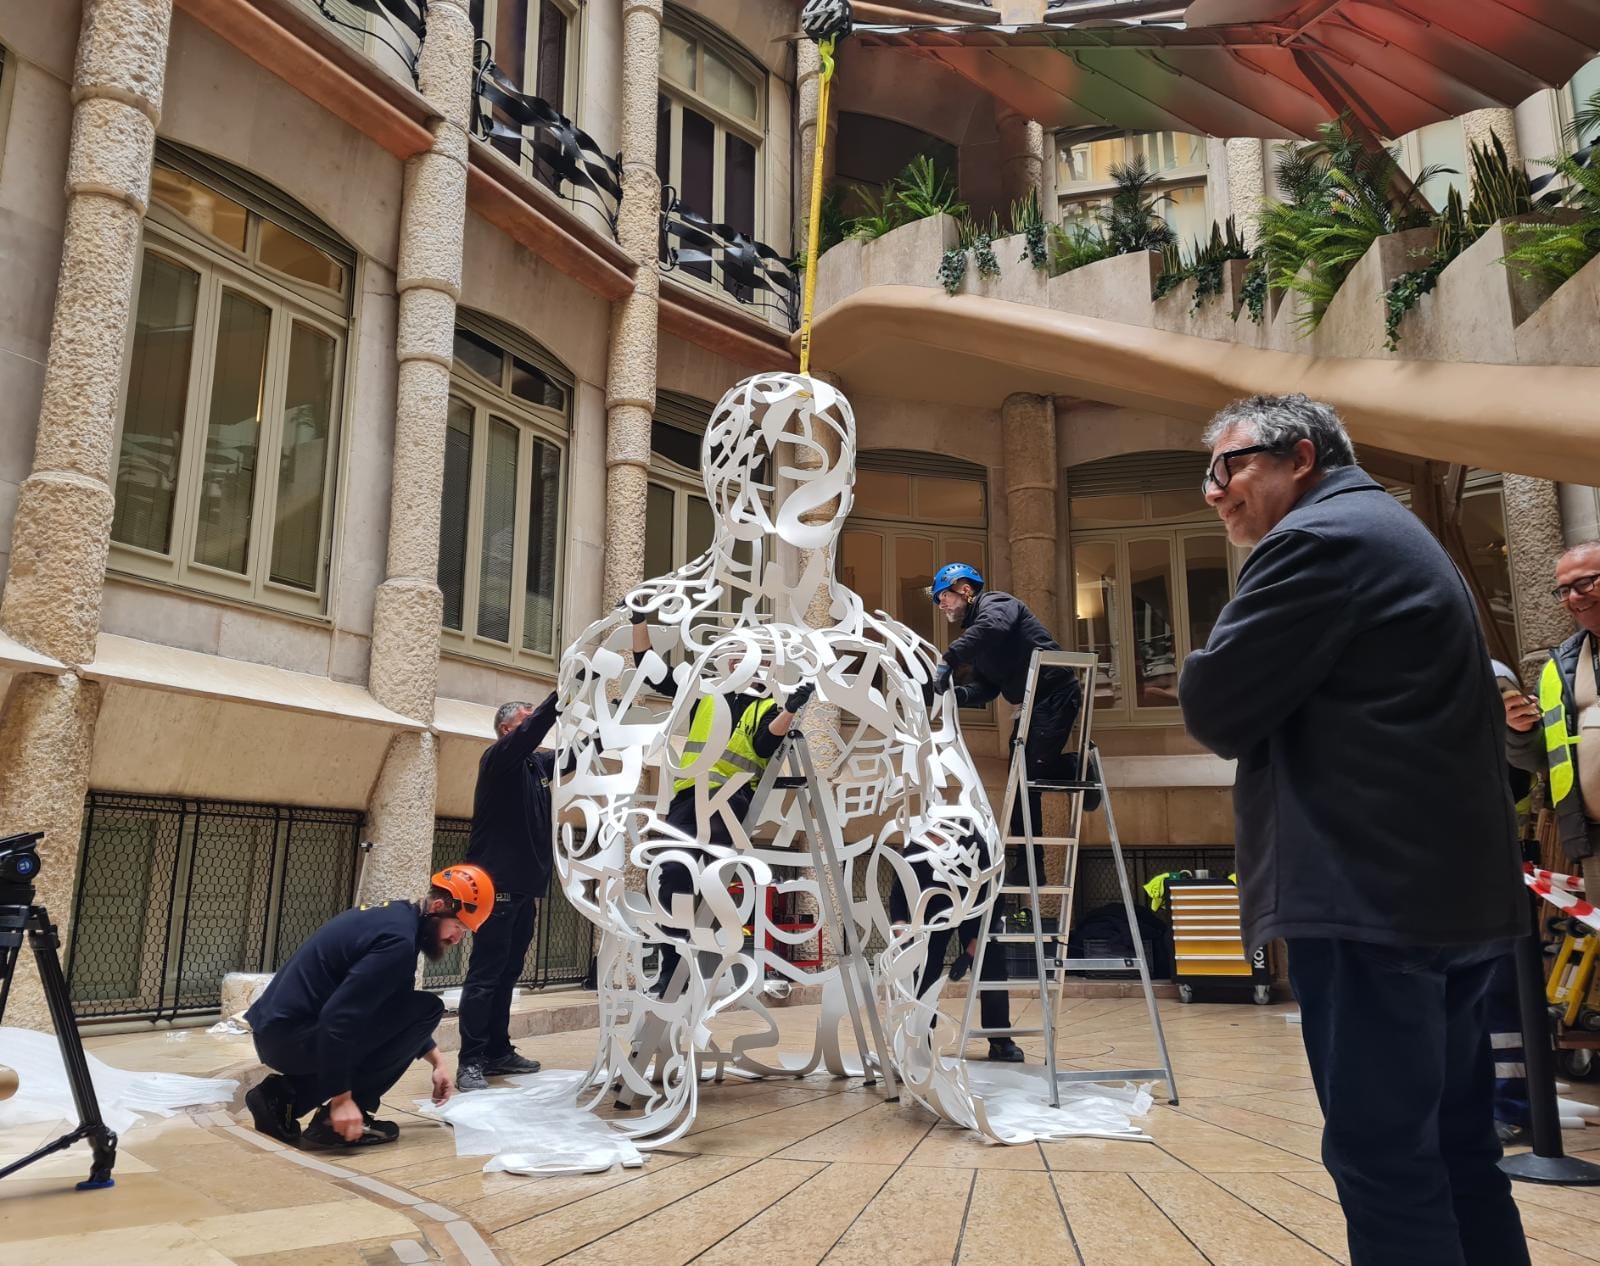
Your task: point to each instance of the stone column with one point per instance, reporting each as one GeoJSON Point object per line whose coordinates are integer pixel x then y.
{"type": "Point", "coordinates": [808, 95]}
{"type": "Point", "coordinates": [1028, 436]}
{"type": "Point", "coordinates": [631, 371]}
{"type": "Point", "coordinates": [1534, 542]}
{"type": "Point", "coordinates": [1021, 154]}
{"type": "Point", "coordinates": [408, 607]}
{"type": "Point", "coordinates": [1247, 185]}
{"type": "Point", "coordinates": [62, 531]}
{"type": "Point", "coordinates": [1478, 126]}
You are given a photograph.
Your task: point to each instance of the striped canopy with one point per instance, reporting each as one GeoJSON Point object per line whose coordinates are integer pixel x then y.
{"type": "Point", "coordinates": [1269, 68]}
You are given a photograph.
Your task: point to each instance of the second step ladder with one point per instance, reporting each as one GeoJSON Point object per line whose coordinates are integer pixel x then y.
{"type": "Point", "coordinates": [1050, 960]}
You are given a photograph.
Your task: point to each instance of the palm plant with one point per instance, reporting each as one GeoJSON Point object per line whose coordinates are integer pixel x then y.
{"type": "Point", "coordinates": [922, 190]}
{"type": "Point", "coordinates": [1554, 251]}
{"type": "Point", "coordinates": [1131, 220]}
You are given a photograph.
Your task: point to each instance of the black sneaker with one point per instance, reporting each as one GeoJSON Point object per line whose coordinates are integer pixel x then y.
{"type": "Point", "coordinates": [511, 1065]}
{"type": "Point", "coordinates": [320, 1134]}
{"type": "Point", "coordinates": [470, 1077]}
{"type": "Point", "coordinates": [271, 1107]}
{"type": "Point", "coordinates": [1512, 1135]}
{"type": "Point", "coordinates": [389, 1129]}
{"type": "Point", "coordinates": [1005, 1051]}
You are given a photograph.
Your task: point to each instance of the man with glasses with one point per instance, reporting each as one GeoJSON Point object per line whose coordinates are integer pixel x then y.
{"type": "Point", "coordinates": [1350, 680]}
{"type": "Point", "coordinates": [1567, 743]}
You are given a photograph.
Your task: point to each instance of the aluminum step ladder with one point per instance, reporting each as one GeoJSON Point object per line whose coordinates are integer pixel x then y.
{"type": "Point", "coordinates": [1051, 962]}
{"type": "Point", "coordinates": [793, 769]}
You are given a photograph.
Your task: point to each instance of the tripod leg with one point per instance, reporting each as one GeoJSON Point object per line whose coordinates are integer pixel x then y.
{"type": "Point", "coordinates": [45, 940]}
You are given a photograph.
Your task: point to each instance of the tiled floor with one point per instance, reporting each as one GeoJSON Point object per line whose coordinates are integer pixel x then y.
{"type": "Point", "coordinates": [789, 1173]}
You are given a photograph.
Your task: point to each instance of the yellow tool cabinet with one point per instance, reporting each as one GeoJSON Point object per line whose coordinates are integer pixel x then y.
{"type": "Point", "coordinates": [1207, 946]}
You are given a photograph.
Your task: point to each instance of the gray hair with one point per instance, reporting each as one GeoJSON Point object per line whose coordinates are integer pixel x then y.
{"type": "Point", "coordinates": [1582, 547]}
{"type": "Point", "coordinates": [1281, 422]}
{"type": "Point", "coordinates": [506, 712]}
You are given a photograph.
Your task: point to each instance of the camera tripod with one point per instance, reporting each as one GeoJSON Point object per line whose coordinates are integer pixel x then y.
{"type": "Point", "coordinates": [20, 918]}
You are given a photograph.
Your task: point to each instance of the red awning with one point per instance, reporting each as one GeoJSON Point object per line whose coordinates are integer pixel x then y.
{"type": "Point", "coordinates": [1270, 68]}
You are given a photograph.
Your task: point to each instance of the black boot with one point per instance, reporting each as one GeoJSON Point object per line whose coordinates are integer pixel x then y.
{"type": "Point", "coordinates": [1005, 1051]}
{"type": "Point", "coordinates": [271, 1107]}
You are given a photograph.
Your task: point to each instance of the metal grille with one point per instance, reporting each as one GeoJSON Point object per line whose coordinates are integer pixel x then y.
{"type": "Point", "coordinates": [1097, 873]}
{"type": "Point", "coordinates": [173, 894]}
{"type": "Point", "coordinates": [563, 940]}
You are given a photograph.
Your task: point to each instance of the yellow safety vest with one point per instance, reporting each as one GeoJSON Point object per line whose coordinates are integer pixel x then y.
{"type": "Point", "coordinates": [740, 755]}
{"type": "Point", "coordinates": [1557, 737]}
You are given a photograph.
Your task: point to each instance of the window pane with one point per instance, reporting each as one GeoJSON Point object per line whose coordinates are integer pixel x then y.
{"type": "Point", "coordinates": [1483, 523]}
{"type": "Point", "coordinates": [1584, 85]}
{"type": "Point", "coordinates": [233, 434]}
{"type": "Point", "coordinates": [1169, 151]}
{"type": "Point", "coordinates": [453, 511]}
{"type": "Point", "coordinates": [203, 207]}
{"type": "Point", "coordinates": [551, 75]}
{"type": "Point", "coordinates": [1443, 144]}
{"type": "Point", "coordinates": [1083, 213]}
{"type": "Point", "coordinates": [158, 395]}
{"type": "Point", "coordinates": [1205, 579]}
{"type": "Point", "coordinates": [479, 355]}
{"type": "Point", "coordinates": [913, 573]}
{"type": "Point", "coordinates": [861, 566]}
{"type": "Point", "coordinates": [948, 500]}
{"type": "Point", "coordinates": [1097, 588]}
{"type": "Point", "coordinates": [658, 508]}
{"type": "Point", "coordinates": [1185, 210]}
{"type": "Point", "coordinates": [739, 196]}
{"type": "Point", "coordinates": [1155, 663]}
{"type": "Point", "coordinates": [677, 58]}
{"type": "Point", "coordinates": [699, 528]}
{"type": "Point", "coordinates": [699, 148]}
{"type": "Point", "coordinates": [539, 599]}
{"type": "Point", "coordinates": [536, 386]}
{"type": "Point", "coordinates": [303, 465]}
{"type": "Point", "coordinates": [1112, 508]}
{"type": "Point", "coordinates": [293, 256]}
{"type": "Point", "coordinates": [499, 532]}
{"type": "Point", "coordinates": [664, 139]}
{"type": "Point", "coordinates": [675, 444]}
{"type": "Point", "coordinates": [511, 54]}
{"type": "Point", "coordinates": [727, 88]}
{"type": "Point", "coordinates": [1175, 505]}
{"type": "Point", "coordinates": [1089, 162]}
{"type": "Point", "coordinates": [882, 494]}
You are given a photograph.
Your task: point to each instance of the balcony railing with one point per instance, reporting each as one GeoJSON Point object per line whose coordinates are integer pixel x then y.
{"type": "Point", "coordinates": [751, 271]}
{"type": "Point", "coordinates": [564, 157]}
{"type": "Point", "coordinates": [404, 24]}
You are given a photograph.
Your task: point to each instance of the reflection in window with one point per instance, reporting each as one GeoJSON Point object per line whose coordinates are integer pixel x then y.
{"type": "Point", "coordinates": [233, 433]}
{"type": "Point", "coordinates": [157, 401]}
{"type": "Point", "coordinates": [499, 532]}
{"type": "Point", "coordinates": [293, 256]}
{"type": "Point", "coordinates": [453, 511]}
{"type": "Point", "coordinates": [201, 206]}
{"type": "Point", "coordinates": [303, 458]}
{"type": "Point", "coordinates": [1155, 652]}
{"type": "Point", "coordinates": [1205, 577]}
{"type": "Point", "coordinates": [1097, 588]}
{"type": "Point", "coordinates": [1483, 524]}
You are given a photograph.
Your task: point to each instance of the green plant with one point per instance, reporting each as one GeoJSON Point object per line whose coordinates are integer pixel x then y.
{"type": "Point", "coordinates": [953, 269]}
{"type": "Point", "coordinates": [1255, 288]}
{"type": "Point", "coordinates": [1130, 221]}
{"type": "Point", "coordinates": [831, 225]}
{"type": "Point", "coordinates": [919, 191]}
{"type": "Point", "coordinates": [877, 216]}
{"type": "Point", "coordinates": [1073, 246]}
{"type": "Point", "coordinates": [1206, 263]}
{"type": "Point", "coordinates": [1027, 220]}
{"type": "Point", "coordinates": [1553, 250]}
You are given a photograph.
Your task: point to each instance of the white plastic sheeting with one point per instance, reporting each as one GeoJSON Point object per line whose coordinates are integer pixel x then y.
{"type": "Point", "coordinates": [1018, 1109]}
{"type": "Point", "coordinates": [535, 1127]}
{"type": "Point", "coordinates": [44, 1093]}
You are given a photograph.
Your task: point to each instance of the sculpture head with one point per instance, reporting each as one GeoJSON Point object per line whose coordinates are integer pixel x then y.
{"type": "Point", "coordinates": [778, 448]}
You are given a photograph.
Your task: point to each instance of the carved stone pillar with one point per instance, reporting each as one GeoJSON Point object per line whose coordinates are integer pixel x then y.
{"type": "Point", "coordinates": [1534, 542]}
{"type": "Point", "coordinates": [1028, 436]}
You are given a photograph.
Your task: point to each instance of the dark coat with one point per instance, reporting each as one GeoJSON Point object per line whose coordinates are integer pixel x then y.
{"type": "Point", "coordinates": [1350, 679]}
{"type": "Point", "coordinates": [1579, 836]}
{"type": "Point", "coordinates": [999, 636]}
{"type": "Point", "coordinates": [511, 833]}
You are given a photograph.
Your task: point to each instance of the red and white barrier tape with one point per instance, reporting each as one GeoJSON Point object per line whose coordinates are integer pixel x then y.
{"type": "Point", "coordinates": [1558, 890]}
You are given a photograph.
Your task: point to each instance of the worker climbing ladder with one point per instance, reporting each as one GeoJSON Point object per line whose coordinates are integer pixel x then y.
{"type": "Point", "coordinates": [1051, 962]}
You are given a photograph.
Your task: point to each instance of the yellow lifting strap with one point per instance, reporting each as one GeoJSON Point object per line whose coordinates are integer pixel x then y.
{"type": "Point", "coordinates": [825, 51]}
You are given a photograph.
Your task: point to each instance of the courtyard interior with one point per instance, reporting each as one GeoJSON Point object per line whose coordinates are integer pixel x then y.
{"type": "Point", "coordinates": [790, 1172]}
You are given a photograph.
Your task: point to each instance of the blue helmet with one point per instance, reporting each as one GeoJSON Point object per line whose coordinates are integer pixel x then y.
{"type": "Point", "coordinates": [949, 574]}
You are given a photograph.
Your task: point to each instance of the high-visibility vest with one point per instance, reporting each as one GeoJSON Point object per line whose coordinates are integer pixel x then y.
{"type": "Point", "coordinates": [740, 754]}
{"type": "Point", "coordinates": [1557, 737]}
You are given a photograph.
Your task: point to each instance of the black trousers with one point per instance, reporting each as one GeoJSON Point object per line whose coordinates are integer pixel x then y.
{"type": "Point", "coordinates": [994, 1005]}
{"type": "Point", "coordinates": [675, 877]}
{"type": "Point", "coordinates": [499, 948]}
{"type": "Point", "coordinates": [1054, 714]}
{"type": "Point", "coordinates": [1399, 1051]}
{"type": "Point", "coordinates": [400, 1033]}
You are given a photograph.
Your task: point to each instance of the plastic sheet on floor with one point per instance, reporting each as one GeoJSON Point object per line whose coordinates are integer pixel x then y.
{"type": "Point", "coordinates": [44, 1094]}
{"type": "Point", "coordinates": [535, 1126]}
{"type": "Point", "coordinates": [1017, 1106]}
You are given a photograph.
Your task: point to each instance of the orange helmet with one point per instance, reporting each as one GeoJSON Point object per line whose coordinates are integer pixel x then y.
{"type": "Point", "coordinates": [472, 889]}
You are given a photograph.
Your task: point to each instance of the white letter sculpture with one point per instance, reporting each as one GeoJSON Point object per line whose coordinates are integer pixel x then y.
{"type": "Point", "coordinates": [778, 452]}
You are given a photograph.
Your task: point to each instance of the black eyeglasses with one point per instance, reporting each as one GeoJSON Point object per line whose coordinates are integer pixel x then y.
{"type": "Point", "coordinates": [1220, 473]}
{"type": "Point", "coordinates": [1583, 586]}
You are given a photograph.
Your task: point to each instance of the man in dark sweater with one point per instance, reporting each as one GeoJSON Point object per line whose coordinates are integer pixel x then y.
{"type": "Point", "coordinates": [1349, 678]}
{"type": "Point", "coordinates": [511, 840]}
{"type": "Point", "coordinates": [342, 1019]}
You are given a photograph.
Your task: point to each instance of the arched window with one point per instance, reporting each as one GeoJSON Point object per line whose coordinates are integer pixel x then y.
{"type": "Point", "coordinates": [501, 514]}
{"type": "Point", "coordinates": [709, 126]}
{"type": "Point", "coordinates": [229, 425]}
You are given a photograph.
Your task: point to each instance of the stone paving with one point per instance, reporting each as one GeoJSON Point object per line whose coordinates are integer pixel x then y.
{"type": "Point", "coordinates": [783, 1172]}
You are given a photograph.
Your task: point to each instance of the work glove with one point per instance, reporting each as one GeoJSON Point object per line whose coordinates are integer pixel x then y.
{"type": "Point", "coordinates": [799, 696]}
{"type": "Point", "coordinates": [635, 616]}
{"type": "Point", "coordinates": [941, 679]}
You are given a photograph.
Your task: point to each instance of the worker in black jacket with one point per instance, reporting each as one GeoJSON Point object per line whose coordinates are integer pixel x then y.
{"type": "Point", "coordinates": [342, 1019]}
{"type": "Point", "coordinates": [511, 840]}
{"type": "Point", "coordinates": [999, 636]}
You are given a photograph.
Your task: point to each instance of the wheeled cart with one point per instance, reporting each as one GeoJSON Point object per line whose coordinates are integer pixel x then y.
{"type": "Point", "coordinates": [1208, 949]}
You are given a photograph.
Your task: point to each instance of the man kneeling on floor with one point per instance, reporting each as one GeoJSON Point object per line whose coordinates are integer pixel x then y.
{"type": "Point", "coordinates": [342, 1019]}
